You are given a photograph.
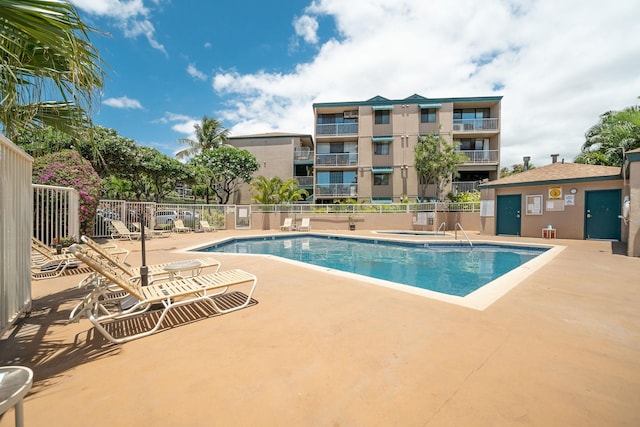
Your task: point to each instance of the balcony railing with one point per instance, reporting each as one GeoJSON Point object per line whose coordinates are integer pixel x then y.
{"type": "Point", "coordinates": [337, 159]}
{"type": "Point", "coordinates": [481, 156]}
{"type": "Point", "coordinates": [336, 190]}
{"type": "Point", "coordinates": [304, 181]}
{"type": "Point", "coordinates": [475, 125]}
{"type": "Point", "coordinates": [466, 186]}
{"type": "Point", "coordinates": [328, 129]}
{"type": "Point", "coordinates": [302, 154]}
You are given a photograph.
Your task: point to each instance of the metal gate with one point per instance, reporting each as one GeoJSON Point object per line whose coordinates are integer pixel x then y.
{"type": "Point", "coordinates": [243, 217]}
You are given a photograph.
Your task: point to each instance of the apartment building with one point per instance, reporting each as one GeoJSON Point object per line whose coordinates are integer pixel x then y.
{"type": "Point", "coordinates": [365, 149]}
{"type": "Point", "coordinates": [282, 155]}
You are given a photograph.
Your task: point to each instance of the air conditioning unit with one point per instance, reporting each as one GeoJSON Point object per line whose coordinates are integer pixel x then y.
{"type": "Point", "coordinates": [353, 114]}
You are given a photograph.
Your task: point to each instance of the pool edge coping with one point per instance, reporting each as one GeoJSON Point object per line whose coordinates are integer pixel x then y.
{"type": "Point", "coordinates": [480, 299]}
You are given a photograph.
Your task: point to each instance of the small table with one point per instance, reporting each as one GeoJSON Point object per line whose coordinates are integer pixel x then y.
{"type": "Point", "coordinates": [548, 233]}
{"type": "Point", "coordinates": [176, 267]}
{"type": "Point", "coordinates": [15, 383]}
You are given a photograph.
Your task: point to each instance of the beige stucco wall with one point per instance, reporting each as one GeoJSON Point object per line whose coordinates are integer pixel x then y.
{"type": "Point", "coordinates": [275, 156]}
{"type": "Point", "coordinates": [633, 242]}
{"type": "Point", "coordinates": [569, 223]}
{"type": "Point", "coordinates": [470, 221]}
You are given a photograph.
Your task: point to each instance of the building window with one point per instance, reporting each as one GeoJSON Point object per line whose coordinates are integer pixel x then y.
{"type": "Point", "coordinates": [381, 179]}
{"type": "Point", "coordinates": [428, 115]}
{"type": "Point", "coordinates": [382, 117]}
{"type": "Point", "coordinates": [381, 149]}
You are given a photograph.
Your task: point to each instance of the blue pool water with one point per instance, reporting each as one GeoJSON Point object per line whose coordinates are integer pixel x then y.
{"type": "Point", "coordinates": [454, 269]}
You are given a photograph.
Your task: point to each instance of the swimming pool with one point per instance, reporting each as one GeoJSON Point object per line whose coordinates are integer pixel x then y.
{"type": "Point", "coordinates": [414, 233]}
{"type": "Point", "coordinates": [452, 268]}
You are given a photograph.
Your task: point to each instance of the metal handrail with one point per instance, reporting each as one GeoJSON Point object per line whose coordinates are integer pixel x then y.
{"type": "Point", "coordinates": [463, 232]}
{"type": "Point", "coordinates": [445, 228]}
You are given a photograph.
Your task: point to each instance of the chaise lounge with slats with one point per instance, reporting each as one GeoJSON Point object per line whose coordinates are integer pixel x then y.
{"type": "Point", "coordinates": [168, 295]}
{"type": "Point", "coordinates": [122, 232]}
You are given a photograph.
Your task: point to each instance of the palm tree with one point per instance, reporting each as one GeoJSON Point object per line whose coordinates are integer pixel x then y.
{"type": "Point", "coordinates": [45, 50]}
{"type": "Point", "coordinates": [289, 191]}
{"type": "Point", "coordinates": [615, 133]}
{"type": "Point", "coordinates": [266, 190]}
{"type": "Point", "coordinates": [210, 135]}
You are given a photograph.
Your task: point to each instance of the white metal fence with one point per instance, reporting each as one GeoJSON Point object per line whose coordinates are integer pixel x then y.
{"type": "Point", "coordinates": [15, 233]}
{"type": "Point", "coordinates": [55, 213]}
{"type": "Point", "coordinates": [156, 215]}
{"type": "Point", "coordinates": [161, 215]}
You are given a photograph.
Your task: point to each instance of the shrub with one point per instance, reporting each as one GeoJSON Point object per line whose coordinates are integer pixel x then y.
{"type": "Point", "coordinates": [67, 168]}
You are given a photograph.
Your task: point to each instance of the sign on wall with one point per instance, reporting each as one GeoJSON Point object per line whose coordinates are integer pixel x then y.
{"type": "Point", "coordinates": [555, 193]}
{"type": "Point", "coordinates": [534, 204]}
{"type": "Point", "coordinates": [486, 208]}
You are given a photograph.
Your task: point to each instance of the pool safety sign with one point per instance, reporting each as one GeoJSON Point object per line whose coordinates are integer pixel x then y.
{"type": "Point", "coordinates": [555, 193]}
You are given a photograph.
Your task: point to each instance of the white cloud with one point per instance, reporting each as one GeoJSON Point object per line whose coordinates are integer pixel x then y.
{"type": "Point", "coordinates": [123, 102]}
{"type": "Point", "coordinates": [559, 65]}
{"type": "Point", "coordinates": [182, 124]}
{"type": "Point", "coordinates": [130, 16]}
{"type": "Point", "coordinates": [307, 27]}
{"type": "Point", "coordinates": [194, 72]}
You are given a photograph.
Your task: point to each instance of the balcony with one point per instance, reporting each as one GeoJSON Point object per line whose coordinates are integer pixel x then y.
{"type": "Point", "coordinates": [337, 159]}
{"type": "Point", "coordinates": [335, 129]}
{"type": "Point", "coordinates": [302, 154]}
{"type": "Point", "coordinates": [481, 156]}
{"type": "Point", "coordinates": [304, 181]}
{"type": "Point", "coordinates": [465, 186]}
{"type": "Point", "coordinates": [336, 190]}
{"type": "Point", "coordinates": [475, 125]}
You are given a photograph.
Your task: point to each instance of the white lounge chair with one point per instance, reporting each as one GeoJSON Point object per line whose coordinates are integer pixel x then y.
{"type": "Point", "coordinates": [179, 227]}
{"type": "Point", "coordinates": [122, 231]}
{"type": "Point", "coordinates": [206, 227]}
{"type": "Point", "coordinates": [156, 273]}
{"type": "Point", "coordinates": [46, 265]}
{"type": "Point", "coordinates": [149, 233]}
{"type": "Point", "coordinates": [286, 225]}
{"type": "Point", "coordinates": [208, 288]}
{"type": "Point", "coordinates": [305, 225]}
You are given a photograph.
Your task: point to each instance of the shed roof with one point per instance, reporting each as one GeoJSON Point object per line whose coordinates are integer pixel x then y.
{"type": "Point", "coordinates": [558, 173]}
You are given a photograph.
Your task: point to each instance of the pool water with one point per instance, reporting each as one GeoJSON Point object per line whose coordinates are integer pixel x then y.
{"type": "Point", "coordinates": [450, 268]}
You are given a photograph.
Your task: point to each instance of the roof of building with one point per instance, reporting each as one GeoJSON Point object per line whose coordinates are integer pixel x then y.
{"type": "Point", "coordinates": [556, 173]}
{"type": "Point", "coordinates": [413, 99]}
{"type": "Point", "coordinates": [271, 135]}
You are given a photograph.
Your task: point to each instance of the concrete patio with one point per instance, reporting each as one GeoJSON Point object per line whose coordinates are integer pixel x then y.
{"type": "Point", "coordinates": [561, 349]}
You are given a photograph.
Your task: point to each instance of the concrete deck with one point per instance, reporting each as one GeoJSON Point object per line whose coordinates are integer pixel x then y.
{"type": "Point", "coordinates": [560, 349]}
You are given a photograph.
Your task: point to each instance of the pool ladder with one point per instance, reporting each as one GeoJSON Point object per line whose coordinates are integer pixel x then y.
{"type": "Point", "coordinates": [463, 232]}
{"type": "Point", "coordinates": [442, 227]}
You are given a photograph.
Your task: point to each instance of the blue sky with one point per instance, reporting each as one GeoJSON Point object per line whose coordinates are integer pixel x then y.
{"type": "Point", "coordinates": [258, 66]}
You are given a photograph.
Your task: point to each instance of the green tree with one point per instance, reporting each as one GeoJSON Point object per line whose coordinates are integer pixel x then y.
{"type": "Point", "coordinates": [515, 169]}
{"type": "Point", "coordinates": [436, 161]}
{"type": "Point", "coordinates": [265, 191]}
{"type": "Point", "coordinates": [617, 131]}
{"type": "Point", "coordinates": [290, 192]}
{"type": "Point", "coordinates": [109, 153]}
{"type": "Point", "coordinates": [50, 72]}
{"type": "Point", "coordinates": [159, 172]}
{"type": "Point", "coordinates": [273, 191]}
{"type": "Point", "coordinates": [209, 135]}
{"type": "Point", "coordinates": [39, 141]}
{"type": "Point", "coordinates": [117, 188]}
{"type": "Point", "coordinates": [225, 169]}
{"type": "Point", "coordinates": [68, 169]}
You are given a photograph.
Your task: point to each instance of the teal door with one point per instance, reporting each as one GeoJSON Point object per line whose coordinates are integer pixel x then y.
{"type": "Point", "coordinates": [508, 215]}
{"type": "Point", "coordinates": [602, 210]}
